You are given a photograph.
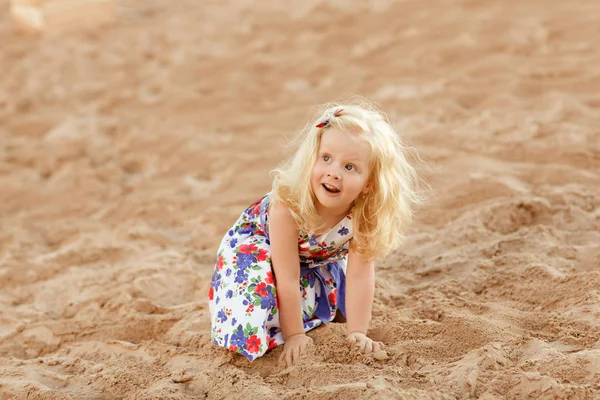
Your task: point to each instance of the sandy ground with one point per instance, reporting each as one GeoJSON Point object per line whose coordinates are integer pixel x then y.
{"type": "Point", "coordinates": [126, 152]}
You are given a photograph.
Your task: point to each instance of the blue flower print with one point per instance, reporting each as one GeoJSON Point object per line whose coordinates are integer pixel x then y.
{"type": "Point", "coordinates": [244, 260]}
{"type": "Point", "coordinates": [240, 276]}
{"type": "Point", "coordinates": [343, 231]}
{"type": "Point", "coordinates": [267, 301]}
{"type": "Point", "coordinates": [233, 242]}
{"type": "Point", "coordinates": [238, 338]}
{"type": "Point", "coordinates": [313, 241]}
{"type": "Point", "coordinates": [222, 316]}
{"type": "Point", "coordinates": [246, 229]}
{"type": "Point", "coordinates": [215, 282]}
{"type": "Point", "coordinates": [311, 279]}
{"type": "Point", "coordinates": [273, 330]}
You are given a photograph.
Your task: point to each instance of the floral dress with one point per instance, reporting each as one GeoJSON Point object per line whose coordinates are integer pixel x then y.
{"type": "Point", "coordinates": [242, 294]}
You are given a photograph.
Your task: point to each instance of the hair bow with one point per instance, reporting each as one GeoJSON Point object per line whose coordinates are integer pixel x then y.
{"type": "Point", "coordinates": [326, 121]}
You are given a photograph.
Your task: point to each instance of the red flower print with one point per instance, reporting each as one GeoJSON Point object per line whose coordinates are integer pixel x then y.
{"type": "Point", "coordinates": [254, 209]}
{"type": "Point", "coordinates": [253, 344]}
{"type": "Point", "coordinates": [248, 248]}
{"type": "Point", "coordinates": [332, 297]}
{"type": "Point", "coordinates": [320, 253]}
{"type": "Point", "coordinates": [261, 289]}
{"type": "Point", "coordinates": [233, 348]}
{"type": "Point", "coordinates": [269, 278]}
{"type": "Point", "coordinates": [211, 293]}
{"type": "Point", "coordinates": [272, 343]}
{"type": "Point", "coordinates": [219, 263]}
{"type": "Point", "coordinates": [250, 308]}
{"type": "Point", "coordinates": [261, 255]}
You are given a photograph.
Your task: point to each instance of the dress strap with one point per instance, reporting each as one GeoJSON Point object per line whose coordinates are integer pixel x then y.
{"type": "Point", "coordinates": [264, 205]}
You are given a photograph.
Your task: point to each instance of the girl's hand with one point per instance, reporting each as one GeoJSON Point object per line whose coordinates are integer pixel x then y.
{"type": "Point", "coordinates": [294, 348]}
{"type": "Point", "coordinates": [364, 343]}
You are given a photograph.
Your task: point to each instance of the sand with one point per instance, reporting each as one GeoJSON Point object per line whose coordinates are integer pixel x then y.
{"type": "Point", "coordinates": [126, 152]}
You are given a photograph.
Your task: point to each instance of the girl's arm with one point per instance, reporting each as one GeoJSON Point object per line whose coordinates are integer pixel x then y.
{"type": "Point", "coordinates": [360, 290]}
{"type": "Point", "coordinates": [283, 233]}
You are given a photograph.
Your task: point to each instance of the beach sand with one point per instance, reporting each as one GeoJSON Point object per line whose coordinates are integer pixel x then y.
{"type": "Point", "coordinates": [126, 153]}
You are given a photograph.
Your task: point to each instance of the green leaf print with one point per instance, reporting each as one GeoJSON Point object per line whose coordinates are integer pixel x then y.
{"type": "Point", "coordinates": [248, 329]}
{"type": "Point", "coordinates": [311, 311]}
{"type": "Point", "coordinates": [256, 267]}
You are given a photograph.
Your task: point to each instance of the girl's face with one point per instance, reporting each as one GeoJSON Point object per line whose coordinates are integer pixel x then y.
{"type": "Point", "coordinates": [341, 172]}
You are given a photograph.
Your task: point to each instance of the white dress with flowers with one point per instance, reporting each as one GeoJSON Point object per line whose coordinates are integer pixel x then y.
{"type": "Point", "coordinates": [243, 297]}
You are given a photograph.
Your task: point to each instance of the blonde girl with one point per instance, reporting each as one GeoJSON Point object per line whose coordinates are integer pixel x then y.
{"type": "Point", "coordinates": [303, 254]}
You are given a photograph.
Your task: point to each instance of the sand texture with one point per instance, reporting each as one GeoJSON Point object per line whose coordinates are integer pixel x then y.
{"type": "Point", "coordinates": [126, 152]}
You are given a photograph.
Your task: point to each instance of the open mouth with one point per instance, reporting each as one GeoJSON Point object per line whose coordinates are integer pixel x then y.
{"type": "Point", "coordinates": [330, 188]}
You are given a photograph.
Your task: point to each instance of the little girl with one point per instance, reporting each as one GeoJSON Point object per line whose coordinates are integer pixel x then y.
{"type": "Point", "coordinates": [304, 253]}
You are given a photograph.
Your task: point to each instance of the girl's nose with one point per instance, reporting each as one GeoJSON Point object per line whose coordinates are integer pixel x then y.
{"type": "Point", "coordinates": [333, 173]}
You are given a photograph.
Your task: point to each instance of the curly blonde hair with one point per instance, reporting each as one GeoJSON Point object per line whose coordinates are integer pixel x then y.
{"type": "Point", "coordinates": [381, 217]}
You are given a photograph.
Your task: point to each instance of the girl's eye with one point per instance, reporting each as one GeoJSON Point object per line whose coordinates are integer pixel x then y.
{"type": "Point", "coordinates": [326, 158]}
{"type": "Point", "coordinates": [350, 167]}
